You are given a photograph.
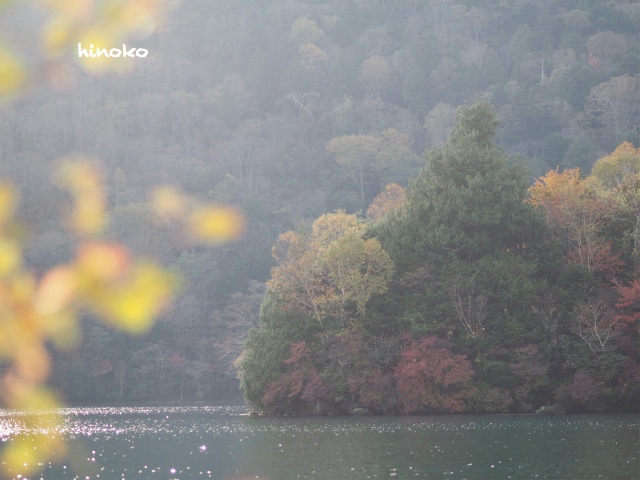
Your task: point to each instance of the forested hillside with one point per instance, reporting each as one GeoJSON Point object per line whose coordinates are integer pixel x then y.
{"type": "Point", "coordinates": [293, 109]}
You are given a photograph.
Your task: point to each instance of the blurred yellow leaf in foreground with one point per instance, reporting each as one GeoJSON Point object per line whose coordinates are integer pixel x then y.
{"type": "Point", "coordinates": [102, 278]}
{"type": "Point", "coordinates": [216, 223]}
{"type": "Point", "coordinates": [84, 183]}
{"type": "Point", "coordinates": [168, 202]}
{"type": "Point", "coordinates": [103, 260]}
{"type": "Point", "coordinates": [12, 73]}
{"type": "Point", "coordinates": [133, 304]}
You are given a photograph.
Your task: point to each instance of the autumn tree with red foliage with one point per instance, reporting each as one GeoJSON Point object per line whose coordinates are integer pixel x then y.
{"type": "Point", "coordinates": [363, 366]}
{"type": "Point", "coordinates": [430, 377]}
{"type": "Point", "coordinates": [301, 383]}
{"type": "Point", "coordinates": [629, 304]}
{"type": "Point", "coordinates": [374, 390]}
{"type": "Point", "coordinates": [627, 321]}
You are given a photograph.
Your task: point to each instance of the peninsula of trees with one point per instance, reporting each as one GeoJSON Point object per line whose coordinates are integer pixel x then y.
{"type": "Point", "coordinates": [478, 293]}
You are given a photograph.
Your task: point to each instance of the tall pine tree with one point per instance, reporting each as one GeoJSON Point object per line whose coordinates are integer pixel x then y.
{"type": "Point", "coordinates": [468, 243]}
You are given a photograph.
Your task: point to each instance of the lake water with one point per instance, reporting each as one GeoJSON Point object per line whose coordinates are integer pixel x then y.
{"type": "Point", "coordinates": [218, 442]}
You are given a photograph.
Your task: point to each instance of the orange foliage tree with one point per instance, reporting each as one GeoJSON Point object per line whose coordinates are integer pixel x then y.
{"type": "Point", "coordinates": [393, 199]}
{"type": "Point", "coordinates": [577, 214]}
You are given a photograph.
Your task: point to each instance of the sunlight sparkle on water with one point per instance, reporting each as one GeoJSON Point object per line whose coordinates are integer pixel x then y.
{"type": "Point", "coordinates": [142, 443]}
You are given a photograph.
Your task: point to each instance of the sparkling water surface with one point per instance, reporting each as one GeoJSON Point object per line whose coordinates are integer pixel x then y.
{"type": "Point", "coordinates": [221, 443]}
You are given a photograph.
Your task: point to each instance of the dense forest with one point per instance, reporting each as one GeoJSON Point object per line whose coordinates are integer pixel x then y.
{"type": "Point", "coordinates": [472, 286]}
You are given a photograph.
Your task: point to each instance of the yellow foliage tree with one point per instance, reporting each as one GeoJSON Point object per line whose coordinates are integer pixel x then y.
{"type": "Point", "coordinates": [614, 170]}
{"type": "Point", "coordinates": [326, 272]}
{"type": "Point", "coordinates": [312, 58]}
{"type": "Point", "coordinates": [305, 31]}
{"type": "Point", "coordinates": [617, 178]}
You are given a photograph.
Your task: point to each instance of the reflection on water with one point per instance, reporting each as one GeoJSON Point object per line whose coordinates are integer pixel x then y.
{"type": "Point", "coordinates": [218, 442]}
